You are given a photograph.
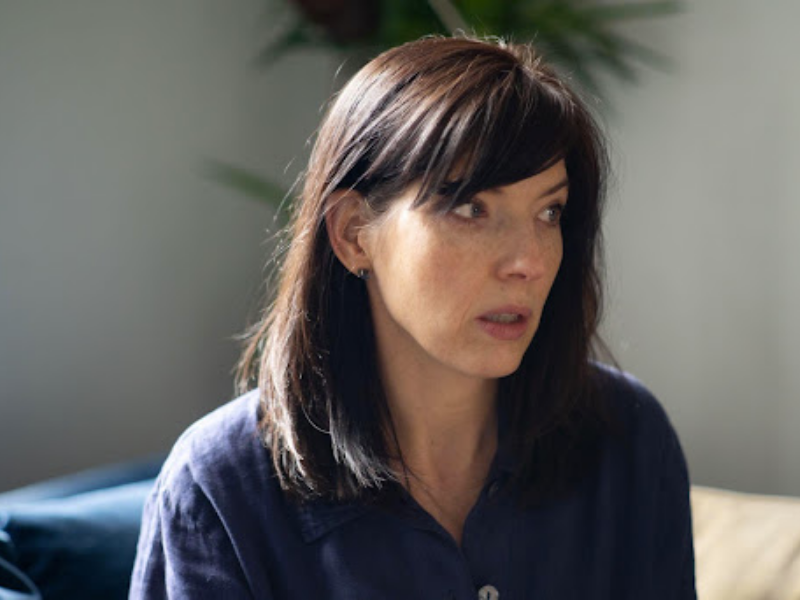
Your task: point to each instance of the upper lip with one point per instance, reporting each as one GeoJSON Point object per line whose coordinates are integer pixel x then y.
{"type": "Point", "coordinates": [509, 309]}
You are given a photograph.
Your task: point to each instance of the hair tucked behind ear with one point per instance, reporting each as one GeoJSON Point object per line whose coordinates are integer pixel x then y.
{"type": "Point", "coordinates": [496, 114]}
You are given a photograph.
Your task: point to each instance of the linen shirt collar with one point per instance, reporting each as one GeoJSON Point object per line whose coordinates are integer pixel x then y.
{"type": "Point", "coordinates": [317, 518]}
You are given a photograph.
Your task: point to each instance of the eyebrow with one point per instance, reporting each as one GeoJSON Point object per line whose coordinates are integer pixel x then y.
{"type": "Point", "coordinates": [564, 183]}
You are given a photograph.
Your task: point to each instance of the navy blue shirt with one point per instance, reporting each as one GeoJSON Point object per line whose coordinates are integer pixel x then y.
{"type": "Point", "coordinates": [217, 525]}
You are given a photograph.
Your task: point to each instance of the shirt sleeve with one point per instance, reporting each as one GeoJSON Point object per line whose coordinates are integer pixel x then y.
{"type": "Point", "coordinates": [184, 550]}
{"type": "Point", "coordinates": [675, 548]}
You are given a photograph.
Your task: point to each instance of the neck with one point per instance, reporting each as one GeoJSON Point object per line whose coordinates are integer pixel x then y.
{"type": "Point", "coordinates": [447, 433]}
{"type": "Point", "coordinates": [446, 426]}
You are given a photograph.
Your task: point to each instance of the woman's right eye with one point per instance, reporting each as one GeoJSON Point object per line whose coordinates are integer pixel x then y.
{"type": "Point", "coordinates": [470, 210]}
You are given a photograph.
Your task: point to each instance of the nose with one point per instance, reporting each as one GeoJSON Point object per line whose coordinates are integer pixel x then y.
{"type": "Point", "coordinates": [528, 253]}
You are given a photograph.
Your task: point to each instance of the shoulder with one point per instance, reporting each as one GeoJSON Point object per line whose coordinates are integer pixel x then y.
{"type": "Point", "coordinates": [231, 426]}
{"type": "Point", "coordinates": [630, 404]}
{"type": "Point", "coordinates": [196, 537]}
{"type": "Point", "coordinates": [219, 458]}
{"type": "Point", "coordinates": [645, 440]}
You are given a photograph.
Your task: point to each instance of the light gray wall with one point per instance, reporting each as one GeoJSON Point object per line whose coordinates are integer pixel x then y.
{"type": "Point", "coordinates": [703, 238]}
{"type": "Point", "coordinates": [124, 271]}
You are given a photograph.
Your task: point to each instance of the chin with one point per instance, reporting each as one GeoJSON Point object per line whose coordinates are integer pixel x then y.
{"type": "Point", "coordinates": [499, 369]}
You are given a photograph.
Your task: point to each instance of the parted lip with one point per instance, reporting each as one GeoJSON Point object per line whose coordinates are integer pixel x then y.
{"type": "Point", "coordinates": [509, 309]}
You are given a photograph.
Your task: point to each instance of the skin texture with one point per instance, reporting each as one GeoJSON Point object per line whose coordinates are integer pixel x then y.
{"type": "Point", "coordinates": [432, 277]}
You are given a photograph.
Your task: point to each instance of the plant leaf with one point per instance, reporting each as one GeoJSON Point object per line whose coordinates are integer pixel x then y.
{"type": "Point", "coordinates": [645, 55]}
{"type": "Point", "coordinates": [247, 183]}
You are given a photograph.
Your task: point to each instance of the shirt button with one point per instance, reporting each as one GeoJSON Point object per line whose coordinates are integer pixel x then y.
{"type": "Point", "coordinates": [488, 592]}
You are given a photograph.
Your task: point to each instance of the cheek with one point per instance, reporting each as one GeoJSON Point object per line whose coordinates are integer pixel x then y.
{"type": "Point", "coordinates": [446, 286]}
{"type": "Point", "coordinates": [425, 279]}
{"type": "Point", "coordinates": [436, 275]}
{"type": "Point", "coordinates": [552, 254]}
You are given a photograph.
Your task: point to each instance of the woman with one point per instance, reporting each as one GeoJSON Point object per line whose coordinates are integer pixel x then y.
{"type": "Point", "coordinates": [425, 420]}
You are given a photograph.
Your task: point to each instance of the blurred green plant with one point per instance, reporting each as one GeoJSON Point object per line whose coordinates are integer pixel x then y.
{"type": "Point", "coordinates": [246, 182]}
{"type": "Point", "coordinates": [579, 36]}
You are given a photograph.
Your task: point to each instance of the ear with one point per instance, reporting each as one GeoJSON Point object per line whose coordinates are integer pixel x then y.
{"type": "Point", "coordinates": [345, 222]}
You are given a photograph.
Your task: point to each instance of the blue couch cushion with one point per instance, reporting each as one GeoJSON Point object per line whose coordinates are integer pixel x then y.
{"type": "Point", "coordinates": [14, 584]}
{"type": "Point", "coordinates": [82, 546]}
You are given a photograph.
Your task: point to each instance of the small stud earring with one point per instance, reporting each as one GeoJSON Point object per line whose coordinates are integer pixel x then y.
{"type": "Point", "coordinates": [363, 274]}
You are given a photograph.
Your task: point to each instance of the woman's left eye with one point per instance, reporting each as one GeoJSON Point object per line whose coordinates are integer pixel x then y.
{"type": "Point", "coordinates": [470, 210]}
{"type": "Point", "coordinates": [552, 214]}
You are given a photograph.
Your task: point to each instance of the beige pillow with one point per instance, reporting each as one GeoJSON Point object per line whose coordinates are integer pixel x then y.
{"type": "Point", "coordinates": [747, 546]}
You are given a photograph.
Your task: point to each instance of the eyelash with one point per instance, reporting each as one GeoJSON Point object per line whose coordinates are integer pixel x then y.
{"type": "Point", "coordinates": [476, 206]}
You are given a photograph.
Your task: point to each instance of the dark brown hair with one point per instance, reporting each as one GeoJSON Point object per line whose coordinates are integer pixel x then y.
{"type": "Point", "coordinates": [493, 113]}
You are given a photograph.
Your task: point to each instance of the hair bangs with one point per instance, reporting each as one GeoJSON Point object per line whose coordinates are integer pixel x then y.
{"type": "Point", "coordinates": [497, 139]}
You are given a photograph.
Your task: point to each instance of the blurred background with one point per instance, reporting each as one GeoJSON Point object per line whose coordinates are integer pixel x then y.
{"type": "Point", "coordinates": [128, 265]}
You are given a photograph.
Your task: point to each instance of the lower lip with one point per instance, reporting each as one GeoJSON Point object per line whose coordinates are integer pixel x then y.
{"type": "Point", "coordinates": [504, 331]}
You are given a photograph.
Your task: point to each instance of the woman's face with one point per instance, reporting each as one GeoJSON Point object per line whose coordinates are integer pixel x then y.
{"type": "Point", "coordinates": [463, 292]}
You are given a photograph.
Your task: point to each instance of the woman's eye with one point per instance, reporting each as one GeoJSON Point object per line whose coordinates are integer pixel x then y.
{"type": "Point", "coordinates": [552, 214]}
{"type": "Point", "coordinates": [470, 210]}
